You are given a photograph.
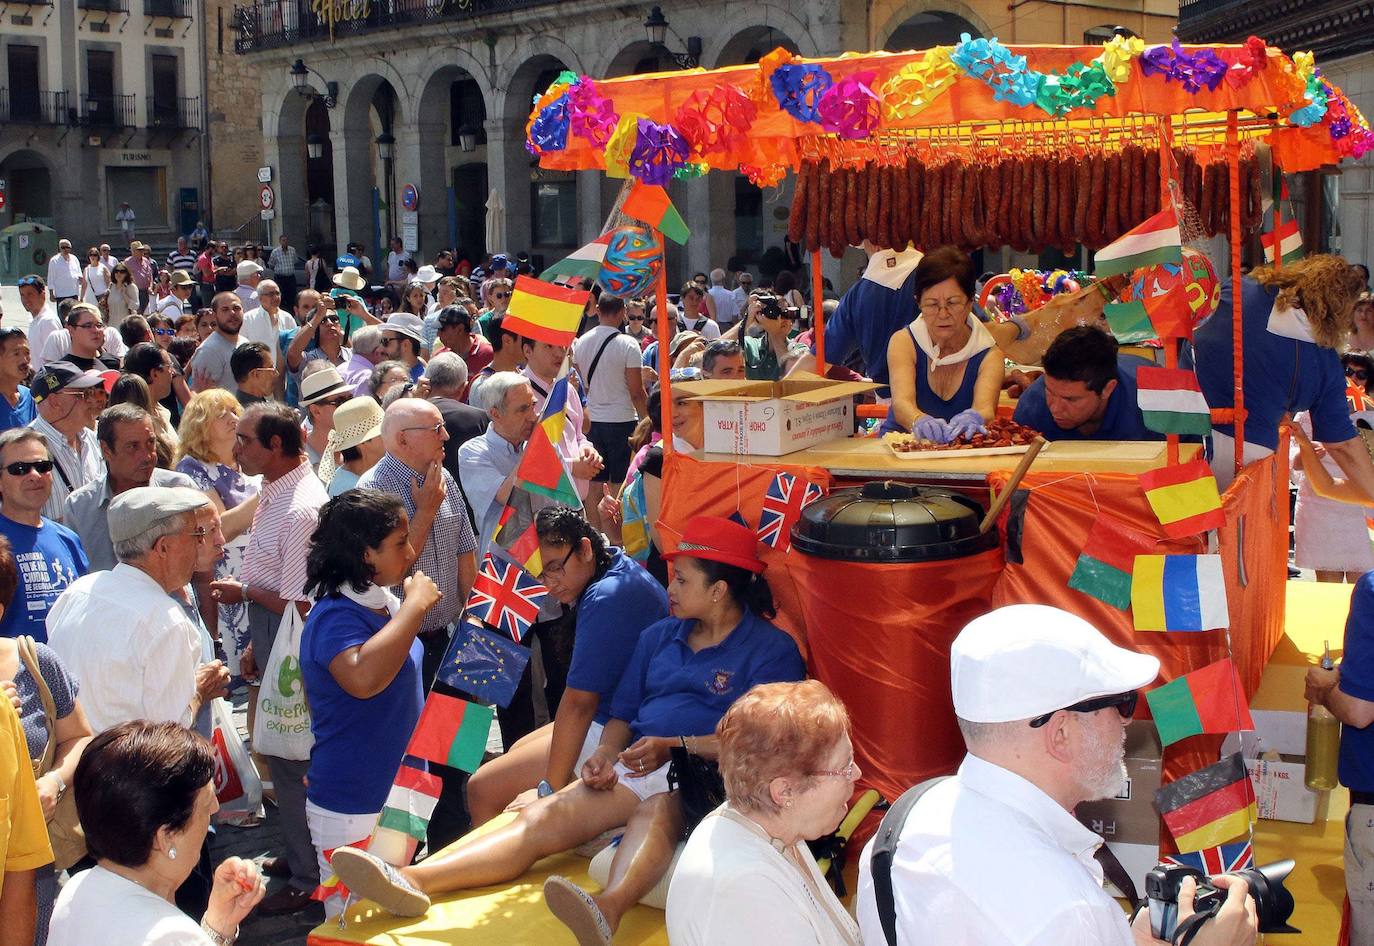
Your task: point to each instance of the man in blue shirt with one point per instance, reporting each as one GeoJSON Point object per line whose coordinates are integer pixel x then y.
{"type": "Point", "coordinates": [1348, 692]}
{"type": "Point", "coordinates": [16, 407]}
{"type": "Point", "coordinates": [1088, 391]}
{"type": "Point", "coordinates": [49, 555]}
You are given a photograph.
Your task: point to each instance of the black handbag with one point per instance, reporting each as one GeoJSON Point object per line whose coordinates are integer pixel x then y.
{"type": "Point", "coordinates": [698, 784]}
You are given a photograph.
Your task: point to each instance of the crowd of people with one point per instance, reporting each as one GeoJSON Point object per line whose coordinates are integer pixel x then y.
{"type": "Point", "coordinates": [211, 464]}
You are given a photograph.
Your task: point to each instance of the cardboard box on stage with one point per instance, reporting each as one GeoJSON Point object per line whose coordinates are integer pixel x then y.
{"type": "Point", "coordinates": [1129, 822]}
{"type": "Point", "coordinates": [773, 418]}
{"type": "Point", "coordinates": [1276, 758]}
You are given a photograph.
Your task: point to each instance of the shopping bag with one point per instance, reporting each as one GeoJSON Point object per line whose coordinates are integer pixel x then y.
{"type": "Point", "coordinates": [237, 785]}
{"type": "Point", "coordinates": [282, 725]}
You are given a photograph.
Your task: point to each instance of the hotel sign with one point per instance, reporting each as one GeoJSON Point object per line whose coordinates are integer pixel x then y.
{"type": "Point", "coordinates": [334, 13]}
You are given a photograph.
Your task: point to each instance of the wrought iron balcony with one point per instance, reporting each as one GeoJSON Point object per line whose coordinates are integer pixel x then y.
{"type": "Point", "coordinates": [180, 9]}
{"type": "Point", "coordinates": [270, 24]}
{"type": "Point", "coordinates": [174, 114]}
{"type": "Point", "coordinates": [25, 107]}
{"type": "Point", "coordinates": [104, 6]}
{"type": "Point", "coordinates": [107, 111]}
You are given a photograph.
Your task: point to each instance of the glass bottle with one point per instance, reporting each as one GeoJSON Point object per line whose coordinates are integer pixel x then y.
{"type": "Point", "coordinates": [1323, 740]}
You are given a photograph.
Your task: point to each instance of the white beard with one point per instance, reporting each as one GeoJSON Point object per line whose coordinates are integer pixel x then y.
{"type": "Point", "coordinates": [1105, 771]}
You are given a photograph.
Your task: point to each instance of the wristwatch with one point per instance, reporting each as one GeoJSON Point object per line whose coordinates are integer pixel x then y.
{"type": "Point", "coordinates": [544, 788]}
{"type": "Point", "coordinates": [61, 785]}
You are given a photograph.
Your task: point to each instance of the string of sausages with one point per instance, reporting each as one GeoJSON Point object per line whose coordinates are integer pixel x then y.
{"type": "Point", "coordinates": [1027, 202]}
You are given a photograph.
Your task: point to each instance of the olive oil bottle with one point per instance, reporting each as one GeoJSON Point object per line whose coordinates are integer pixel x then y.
{"type": "Point", "coordinates": [1323, 740]}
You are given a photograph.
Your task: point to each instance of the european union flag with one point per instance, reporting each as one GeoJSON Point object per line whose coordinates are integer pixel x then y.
{"type": "Point", "coordinates": [483, 664]}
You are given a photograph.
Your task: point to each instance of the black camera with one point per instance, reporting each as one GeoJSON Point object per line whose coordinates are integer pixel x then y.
{"type": "Point", "coordinates": [770, 307]}
{"type": "Point", "coordinates": [1273, 903]}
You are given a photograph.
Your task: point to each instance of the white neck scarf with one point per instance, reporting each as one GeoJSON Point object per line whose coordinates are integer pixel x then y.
{"type": "Point", "coordinates": [375, 598]}
{"type": "Point", "coordinates": [1290, 323]}
{"type": "Point", "coordinates": [979, 339]}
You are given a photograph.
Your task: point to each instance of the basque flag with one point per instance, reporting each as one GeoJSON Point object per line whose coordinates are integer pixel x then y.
{"type": "Point", "coordinates": [787, 496]}
{"type": "Point", "coordinates": [506, 598]}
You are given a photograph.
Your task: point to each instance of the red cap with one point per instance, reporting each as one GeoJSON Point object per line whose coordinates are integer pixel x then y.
{"type": "Point", "coordinates": [108, 379]}
{"type": "Point", "coordinates": [717, 539]}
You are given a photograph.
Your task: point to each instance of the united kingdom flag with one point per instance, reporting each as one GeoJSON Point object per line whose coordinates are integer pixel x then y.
{"type": "Point", "coordinates": [506, 597]}
{"type": "Point", "coordinates": [1217, 860]}
{"type": "Point", "coordinates": [787, 496]}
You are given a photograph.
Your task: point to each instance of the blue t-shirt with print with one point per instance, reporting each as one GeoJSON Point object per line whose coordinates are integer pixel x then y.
{"type": "Point", "coordinates": [611, 615]}
{"type": "Point", "coordinates": [1122, 420]}
{"type": "Point", "coordinates": [358, 743]}
{"type": "Point", "coordinates": [1356, 767]}
{"type": "Point", "coordinates": [669, 690]}
{"type": "Point", "coordinates": [49, 559]}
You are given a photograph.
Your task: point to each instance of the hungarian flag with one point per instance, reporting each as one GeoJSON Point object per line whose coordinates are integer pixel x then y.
{"type": "Point", "coordinates": [1290, 242]}
{"type": "Point", "coordinates": [521, 542]}
{"type": "Point", "coordinates": [1223, 859]}
{"type": "Point", "coordinates": [1210, 806]}
{"type": "Point", "coordinates": [1178, 593]}
{"type": "Point", "coordinates": [583, 263]}
{"type": "Point", "coordinates": [1184, 498]}
{"type": "Point", "coordinates": [650, 203]}
{"type": "Point", "coordinates": [1171, 401]}
{"type": "Point", "coordinates": [544, 312]}
{"type": "Point", "coordinates": [1104, 566]}
{"type": "Point", "coordinates": [1154, 241]}
{"type": "Point", "coordinates": [1206, 700]}
{"type": "Point", "coordinates": [787, 496]}
{"type": "Point", "coordinates": [506, 598]}
{"type": "Point", "coordinates": [451, 732]}
{"type": "Point", "coordinates": [1129, 322]}
{"type": "Point", "coordinates": [404, 820]}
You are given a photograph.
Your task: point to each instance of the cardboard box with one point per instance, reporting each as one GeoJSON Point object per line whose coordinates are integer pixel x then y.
{"type": "Point", "coordinates": [1128, 821]}
{"type": "Point", "coordinates": [1276, 758]}
{"type": "Point", "coordinates": [773, 418]}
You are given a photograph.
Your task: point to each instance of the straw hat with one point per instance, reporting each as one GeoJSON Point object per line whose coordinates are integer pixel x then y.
{"type": "Point", "coordinates": [356, 421]}
{"type": "Point", "coordinates": [321, 385]}
{"type": "Point", "coordinates": [349, 278]}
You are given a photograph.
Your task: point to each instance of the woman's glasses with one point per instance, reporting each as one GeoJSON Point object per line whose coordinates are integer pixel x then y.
{"type": "Point", "coordinates": [1359, 374]}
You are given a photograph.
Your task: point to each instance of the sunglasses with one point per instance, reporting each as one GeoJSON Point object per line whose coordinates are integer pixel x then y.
{"type": "Point", "coordinates": [635, 318]}
{"type": "Point", "coordinates": [1124, 703]}
{"type": "Point", "coordinates": [164, 331]}
{"type": "Point", "coordinates": [500, 295]}
{"type": "Point", "coordinates": [23, 467]}
{"type": "Point", "coordinates": [331, 318]}
{"type": "Point", "coordinates": [28, 281]}
{"type": "Point", "coordinates": [1359, 374]}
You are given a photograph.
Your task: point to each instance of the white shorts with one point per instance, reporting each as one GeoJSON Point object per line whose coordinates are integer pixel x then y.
{"type": "Point", "coordinates": [588, 747]}
{"type": "Point", "coordinates": [332, 829]}
{"type": "Point", "coordinates": [645, 786]}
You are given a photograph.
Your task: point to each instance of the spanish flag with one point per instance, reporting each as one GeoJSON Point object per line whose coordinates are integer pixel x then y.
{"type": "Point", "coordinates": [1184, 498]}
{"type": "Point", "coordinates": [1210, 806]}
{"type": "Point", "coordinates": [544, 312]}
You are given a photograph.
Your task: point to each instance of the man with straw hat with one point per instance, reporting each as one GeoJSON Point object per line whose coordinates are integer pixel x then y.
{"type": "Point", "coordinates": [356, 441]}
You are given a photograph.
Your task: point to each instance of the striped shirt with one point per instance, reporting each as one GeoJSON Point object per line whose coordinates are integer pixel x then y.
{"type": "Point", "coordinates": [72, 469]}
{"type": "Point", "coordinates": [287, 514]}
{"type": "Point", "coordinates": [186, 261]}
{"type": "Point", "coordinates": [449, 538]}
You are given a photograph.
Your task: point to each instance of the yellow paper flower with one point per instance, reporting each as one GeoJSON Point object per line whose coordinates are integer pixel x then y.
{"type": "Point", "coordinates": [1117, 54]}
{"type": "Point", "coordinates": [917, 84]}
{"type": "Point", "coordinates": [1305, 64]}
{"type": "Point", "coordinates": [620, 145]}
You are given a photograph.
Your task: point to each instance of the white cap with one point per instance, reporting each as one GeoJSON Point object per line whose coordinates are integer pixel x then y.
{"type": "Point", "coordinates": [1024, 660]}
{"type": "Point", "coordinates": [246, 269]}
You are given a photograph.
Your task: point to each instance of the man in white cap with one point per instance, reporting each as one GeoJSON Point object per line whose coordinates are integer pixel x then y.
{"type": "Point", "coordinates": [994, 855]}
{"type": "Point", "coordinates": [67, 408]}
{"type": "Point", "coordinates": [248, 274]}
{"type": "Point", "coordinates": [182, 285]}
{"type": "Point", "coordinates": [403, 339]}
{"type": "Point", "coordinates": [265, 322]}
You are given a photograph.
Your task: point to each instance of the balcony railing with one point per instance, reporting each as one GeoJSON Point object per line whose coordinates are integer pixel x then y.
{"type": "Point", "coordinates": [107, 111]}
{"type": "Point", "coordinates": [269, 24]}
{"type": "Point", "coordinates": [1192, 10]}
{"type": "Point", "coordinates": [104, 6]}
{"type": "Point", "coordinates": [20, 107]}
{"type": "Point", "coordinates": [174, 114]}
{"type": "Point", "coordinates": [169, 8]}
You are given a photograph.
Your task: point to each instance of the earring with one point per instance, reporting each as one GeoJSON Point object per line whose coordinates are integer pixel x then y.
{"type": "Point", "coordinates": [787, 804]}
{"type": "Point", "coordinates": [171, 854]}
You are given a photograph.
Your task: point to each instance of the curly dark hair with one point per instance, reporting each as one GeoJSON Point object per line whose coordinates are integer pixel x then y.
{"type": "Point", "coordinates": [350, 523]}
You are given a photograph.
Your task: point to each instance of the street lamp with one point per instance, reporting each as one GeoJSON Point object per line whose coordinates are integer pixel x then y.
{"type": "Point", "coordinates": [386, 150]}
{"type": "Point", "coordinates": [656, 26]}
{"type": "Point", "coordinates": [314, 147]}
{"type": "Point", "coordinates": [386, 146]}
{"type": "Point", "coordinates": [300, 81]}
{"type": "Point", "coordinates": [467, 138]}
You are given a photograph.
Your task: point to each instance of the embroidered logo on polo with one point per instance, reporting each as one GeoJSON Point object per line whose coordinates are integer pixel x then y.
{"type": "Point", "coordinates": [719, 683]}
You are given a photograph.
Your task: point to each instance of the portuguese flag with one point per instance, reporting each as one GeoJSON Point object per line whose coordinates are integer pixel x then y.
{"type": "Point", "coordinates": [1210, 806]}
{"type": "Point", "coordinates": [1206, 700]}
{"type": "Point", "coordinates": [1104, 566]}
{"type": "Point", "coordinates": [1153, 242]}
{"type": "Point", "coordinates": [650, 203]}
{"type": "Point", "coordinates": [1171, 401]}
{"type": "Point", "coordinates": [451, 732]}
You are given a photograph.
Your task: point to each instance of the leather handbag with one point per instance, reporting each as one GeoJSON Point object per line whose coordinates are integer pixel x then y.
{"type": "Point", "coordinates": [698, 784]}
{"type": "Point", "coordinates": [64, 828]}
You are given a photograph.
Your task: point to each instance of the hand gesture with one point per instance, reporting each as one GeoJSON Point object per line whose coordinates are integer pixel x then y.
{"type": "Point", "coordinates": [610, 508]}
{"type": "Point", "coordinates": [238, 886]}
{"type": "Point", "coordinates": [526, 798]}
{"type": "Point", "coordinates": [598, 772]}
{"type": "Point", "coordinates": [1319, 683]}
{"type": "Point", "coordinates": [588, 463]}
{"type": "Point", "coordinates": [227, 591]}
{"type": "Point", "coordinates": [212, 679]}
{"type": "Point", "coordinates": [430, 494]}
{"type": "Point", "coordinates": [645, 755]}
{"type": "Point", "coordinates": [420, 591]}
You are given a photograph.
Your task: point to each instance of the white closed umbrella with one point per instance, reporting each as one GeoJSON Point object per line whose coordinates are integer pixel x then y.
{"type": "Point", "coordinates": [496, 222]}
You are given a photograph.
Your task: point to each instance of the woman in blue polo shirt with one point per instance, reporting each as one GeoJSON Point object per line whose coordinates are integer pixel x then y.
{"type": "Point", "coordinates": [614, 599]}
{"type": "Point", "coordinates": [685, 672]}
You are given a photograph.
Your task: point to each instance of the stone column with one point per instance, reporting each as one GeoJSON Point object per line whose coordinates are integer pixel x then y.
{"type": "Point", "coordinates": [508, 170]}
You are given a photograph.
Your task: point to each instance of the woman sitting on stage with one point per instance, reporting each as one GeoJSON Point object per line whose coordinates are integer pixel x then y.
{"type": "Point", "coordinates": [685, 673]}
{"type": "Point", "coordinates": [945, 369]}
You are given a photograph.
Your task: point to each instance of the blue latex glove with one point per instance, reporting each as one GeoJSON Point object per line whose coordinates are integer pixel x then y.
{"type": "Point", "coordinates": [932, 428]}
{"type": "Point", "coordinates": [966, 424]}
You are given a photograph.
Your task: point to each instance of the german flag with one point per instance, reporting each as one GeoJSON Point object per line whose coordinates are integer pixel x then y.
{"type": "Point", "coordinates": [1210, 806]}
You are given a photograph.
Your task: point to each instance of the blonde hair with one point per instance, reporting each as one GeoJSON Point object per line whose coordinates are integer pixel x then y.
{"type": "Point", "coordinates": [1324, 286]}
{"type": "Point", "coordinates": [203, 409]}
{"type": "Point", "coordinates": [777, 730]}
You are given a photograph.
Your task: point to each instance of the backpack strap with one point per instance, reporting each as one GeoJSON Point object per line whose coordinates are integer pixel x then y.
{"type": "Point", "coordinates": [885, 849]}
{"type": "Point", "coordinates": [591, 371]}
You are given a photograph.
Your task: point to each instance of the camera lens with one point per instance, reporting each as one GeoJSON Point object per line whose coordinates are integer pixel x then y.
{"type": "Point", "coordinates": [1273, 902]}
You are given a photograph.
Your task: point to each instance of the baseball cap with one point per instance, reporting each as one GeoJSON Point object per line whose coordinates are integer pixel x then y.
{"type": "Point", "coordinates": [1024, 660]}
{"type": "Point", "coordinates": [247, 268]}
{"type": "Point", "coordinates": [718, 539]}
{"type": "Point", "coordinates": [137, 510]}
{"type": "Point", "coordinates": [56, 375]}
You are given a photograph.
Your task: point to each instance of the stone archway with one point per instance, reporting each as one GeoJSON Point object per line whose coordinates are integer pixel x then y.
{"type": "Point", "coordinates": [921, 24]}
{"type": "Point", "coordinates": [542, 207]}
{"type": "Point", "coordinates": [28, 177]}
{"type": "Point", "coordinates": [447, 96]}
{"type": "Point", "coordinates": [366, 210]}
{"type": "Point", "coordinates": [293, 205]}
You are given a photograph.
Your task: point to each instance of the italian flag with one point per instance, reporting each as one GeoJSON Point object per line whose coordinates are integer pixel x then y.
{"type": "Point", "coordinates": [1171, 401]}
{"type": "Point", "coordinates": [1290, 242]}
{"type": "Point", "coordinates": [582, 263]}
{"type": "Point", "coordinates": [1151, 243]}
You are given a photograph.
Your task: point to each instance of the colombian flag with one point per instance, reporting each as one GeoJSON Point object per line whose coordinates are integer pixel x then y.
{"type": "Point", "coordinates": [1184, 498]}
{"type": "Point", "coordinates": [1178, 593]}
{"type": "Point", "coordinates": [451, 732]}
{"type": "Point", "coordinates": [1206, 700]}
{"type": "Point", "coordinates": [544, 312]}
{"type": "Point", "coordinates": [1210, 806]}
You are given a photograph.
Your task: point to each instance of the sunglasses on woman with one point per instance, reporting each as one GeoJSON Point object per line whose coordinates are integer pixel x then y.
{"type": "Point", "coordinates": [1359, 374]}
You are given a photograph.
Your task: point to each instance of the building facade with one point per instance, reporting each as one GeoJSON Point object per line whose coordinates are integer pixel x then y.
{"type": "Point", "coordinates": [407, 117]}
{"type": "Point", "coordinates": [101, 103]}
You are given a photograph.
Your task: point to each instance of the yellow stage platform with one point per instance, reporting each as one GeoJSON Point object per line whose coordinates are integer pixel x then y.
{"type": "Point", "coordinates": [515, 914]}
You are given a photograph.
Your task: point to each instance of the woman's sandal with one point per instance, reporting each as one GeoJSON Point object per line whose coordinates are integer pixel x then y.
{"type": "Point", "coordinates": [576, 910]}
{"type": "Point", "coordinates": [367, 875]}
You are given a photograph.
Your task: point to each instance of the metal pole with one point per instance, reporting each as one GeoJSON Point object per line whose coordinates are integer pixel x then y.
{"type": "Point", "coordinates": [817, 309]}
{"type": "Point", "coordinates": [1237, 323]}
{"type": "Point", "coordinates": [665, 364]}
